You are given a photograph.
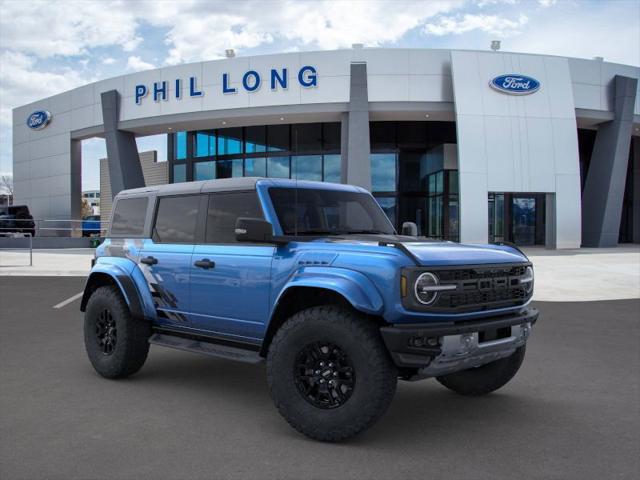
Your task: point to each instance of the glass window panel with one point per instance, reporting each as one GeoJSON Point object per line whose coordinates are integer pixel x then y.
{"type": "Point", "coordinates": [255, 167]}
{"type": "Point", "coordinates": [453, 182]}
{"type": "Point", "coordinates": [230, 141]}
{"type": "Point", "coordinates": [278, 167]}
{"type": "Point", "coordinates": [179, 173]}
{"type": "Point", "coordinates": [383, 135]}
{"type": "Point", "coordinates": [180, 145]}
{"type": "Point", "coordinates": [205, 144]}
{"type": "Point", "coordinates": [440, 182]}
{"type": "Point", "coordinates": [176, 219]}
{"type": "Point", "coordinates": [383, 172]}
{"type": "Point", "coordinates": [454, 228]}
{"type": "Point", "coordinates": [224, 210]}
{"type": "Point", "coordinates": [331, 134]}
{"type": "Point", "coordinates": [278, 138]}
{"type": "Point", "coordinates": [306, 167]}
{"type": "Point", "coordinates": [412, 168]}
{"type": "Point", "coordinates": [412, 134]}
{"type": "Point", "coordinates": [255, 139]}
{"type": "Point", "coordinates": [332, 166]}
{"type": "Point", "coordinates": [388, 204]}
{"type": "Point", "coordinates": [204, 170]}
{"type": "Point", "coordinates": [229, 168]}
{"type": "Point", "coordinates": [128, 217]}
{"type": "Point", "coordinates": [306, 137]}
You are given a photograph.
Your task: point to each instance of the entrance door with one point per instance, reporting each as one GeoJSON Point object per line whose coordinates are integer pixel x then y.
{"type": "Point", "coordinates": [523, 214]}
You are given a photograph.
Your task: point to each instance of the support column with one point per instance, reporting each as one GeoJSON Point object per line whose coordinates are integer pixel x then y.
{"type": "Point", "coordinates": [635, 217]}
{"type": "Point", "coordinates": [356, 164]}
{"type": "Point", "coordinates": [604, 187]}
{"type": "Point", "coordinates": [125, 170]}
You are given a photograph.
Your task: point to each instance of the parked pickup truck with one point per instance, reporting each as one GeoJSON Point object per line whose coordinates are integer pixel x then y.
{"type": "Point", "coordinates": [16, 219]}
{"type": "Point", "coordinates": [312, 279]}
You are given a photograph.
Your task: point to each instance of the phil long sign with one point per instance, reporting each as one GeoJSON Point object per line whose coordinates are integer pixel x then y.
{"type": "Point", "coordinates": [251, 81]}
{"type": "Point", "coordinates": [515, 84]}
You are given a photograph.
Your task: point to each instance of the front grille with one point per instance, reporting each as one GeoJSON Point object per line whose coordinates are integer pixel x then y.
{"type": "Point", "coordinates": [478, 288]}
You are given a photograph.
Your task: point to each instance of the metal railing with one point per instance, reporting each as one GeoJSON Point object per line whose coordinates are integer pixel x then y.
{"type": "Point", "coordinates": [44, 227]}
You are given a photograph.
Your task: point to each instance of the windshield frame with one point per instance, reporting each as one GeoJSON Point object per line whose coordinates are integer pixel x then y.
{"type": "Point", "coordinates": [378, 218]}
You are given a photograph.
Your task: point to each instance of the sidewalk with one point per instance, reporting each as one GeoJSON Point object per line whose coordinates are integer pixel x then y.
{"type": "Point", "coordinates": [585, 274]}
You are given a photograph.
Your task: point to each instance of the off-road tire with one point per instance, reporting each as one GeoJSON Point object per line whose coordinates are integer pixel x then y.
{"type": "Point", "coordinates": [375, 375]}
{"type": "Point", "coordinates": [131, 344]}
{"type": "Point", "coordinates": [485, 379]}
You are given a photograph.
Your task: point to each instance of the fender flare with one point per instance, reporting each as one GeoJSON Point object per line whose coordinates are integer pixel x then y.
{"type": "Point", "coordinates": [129, 280]}
{"type": "Point", "coordinates": [354, 286]}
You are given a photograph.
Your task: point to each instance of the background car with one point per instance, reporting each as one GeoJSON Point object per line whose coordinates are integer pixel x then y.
{"type": "Point", "coordinates": [91, 225]}
{"type": "Point", "coordinates": [17, 219]}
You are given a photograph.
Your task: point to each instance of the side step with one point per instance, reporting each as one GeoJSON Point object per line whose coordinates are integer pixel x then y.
{"type": "Point", "coordinates": [206, 348]}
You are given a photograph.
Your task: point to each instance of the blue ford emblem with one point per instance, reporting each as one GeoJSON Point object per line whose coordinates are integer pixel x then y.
{"type": "Point", "coordinates": [38, 120]}
{"type": "Point", "coordinates": [515, 84]}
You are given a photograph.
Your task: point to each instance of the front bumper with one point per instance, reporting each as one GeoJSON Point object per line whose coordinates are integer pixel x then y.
{"type": "Point", "coordinates": [434, 349]}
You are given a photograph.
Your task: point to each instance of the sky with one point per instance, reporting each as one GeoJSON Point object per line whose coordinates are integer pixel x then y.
{"type": "Point", "coordinates": [47, 47]}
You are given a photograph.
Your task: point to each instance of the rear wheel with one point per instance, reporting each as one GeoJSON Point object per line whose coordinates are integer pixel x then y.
{"type": "Point", "coordinates": [485, 379]}
{"type": "Point", "coordinates": [116, 343]}
{"type": "Point", "coordinates": [329, 373]}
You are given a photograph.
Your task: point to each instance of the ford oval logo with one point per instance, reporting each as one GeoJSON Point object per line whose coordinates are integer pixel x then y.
{"type": "Point", "coordinates": [515, 84]}
{"type": "Point", "coordinates": [38, 120]}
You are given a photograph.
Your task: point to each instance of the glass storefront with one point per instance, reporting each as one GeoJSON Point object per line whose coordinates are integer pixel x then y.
{"type": "Point", "coordinates": [408, 176]}
{"type": "Point", "coordinates": [309, 151]}
{"type": "Point", "coordinates": [517, 218]}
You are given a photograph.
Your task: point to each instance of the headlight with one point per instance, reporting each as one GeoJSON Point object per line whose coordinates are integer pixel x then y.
{"type": "Point", "coordinates": [527, 279]}
{"type": "Point", "coordinates": [426, 288]}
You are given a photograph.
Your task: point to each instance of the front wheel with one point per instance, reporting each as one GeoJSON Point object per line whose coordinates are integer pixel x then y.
{"type": "Point", "coordinates": [486, 378]}
{"type": "Point", "coordinates": [329, 373]}
{"type": "Point", "coordinates": [116, 343]}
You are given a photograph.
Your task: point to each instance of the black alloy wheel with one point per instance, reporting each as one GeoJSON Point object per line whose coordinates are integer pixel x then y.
{"type": "Point", "coordinates": [324, 375]}
{"type": "Point", "coordinates": [106, 332]}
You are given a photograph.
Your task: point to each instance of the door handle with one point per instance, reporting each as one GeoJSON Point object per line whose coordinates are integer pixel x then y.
{"type": "Point", "coordinates": [205, 263]}
{"type": "Point", "coordinates": [149, 260]}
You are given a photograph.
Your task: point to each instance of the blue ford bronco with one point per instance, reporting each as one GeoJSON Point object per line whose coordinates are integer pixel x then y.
{"type": "Point", "coordinates": [312, 279]}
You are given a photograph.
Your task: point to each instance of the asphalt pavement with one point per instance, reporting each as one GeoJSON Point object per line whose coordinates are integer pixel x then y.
{"type": "Point", "coordinates": [573, 411]}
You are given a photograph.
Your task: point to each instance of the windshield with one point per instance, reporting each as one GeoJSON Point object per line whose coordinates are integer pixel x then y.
{"type": "Point", "coordinates": [307, 211]}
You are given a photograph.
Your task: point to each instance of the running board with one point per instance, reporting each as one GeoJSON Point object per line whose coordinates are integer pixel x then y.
{"type": "Point", "coordinates": [206, 348]}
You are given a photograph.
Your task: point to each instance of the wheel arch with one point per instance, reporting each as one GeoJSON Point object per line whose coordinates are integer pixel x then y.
{"type": "Point", "coordinates": [126, 283]}
{"type": "Point", "coordinates": [299, 297]}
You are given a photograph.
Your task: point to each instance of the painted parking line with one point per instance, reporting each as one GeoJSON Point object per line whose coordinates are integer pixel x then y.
{"type": "Point", "coordinates": [66, 302]}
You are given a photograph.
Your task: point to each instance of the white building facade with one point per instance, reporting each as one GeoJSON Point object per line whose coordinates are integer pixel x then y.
{"type": "Point", "coordinates": [473, 146]}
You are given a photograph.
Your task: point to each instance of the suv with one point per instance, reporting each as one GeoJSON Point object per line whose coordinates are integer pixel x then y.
{"type": "Point", "coordinates": [17, 219]}
{"type": "Point", "coordinates": [312, 279]}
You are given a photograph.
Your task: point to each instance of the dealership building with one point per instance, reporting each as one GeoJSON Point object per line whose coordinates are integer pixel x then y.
{"type": "Point", "coordinates": [472, 146]}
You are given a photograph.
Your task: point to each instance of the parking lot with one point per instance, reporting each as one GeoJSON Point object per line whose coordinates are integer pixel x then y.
{"type": "Point", "coordinates": [573, 411]}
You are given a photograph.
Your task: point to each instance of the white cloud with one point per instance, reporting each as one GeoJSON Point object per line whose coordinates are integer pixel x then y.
{"type": "Point", "coordinates": [135, 64]}
{"type": "Point", "coordinates": [66, 28]}
{"type": "Point", "coordinates": [491, 24]}
{"type": "Point", "coordinates": [547, 3]}
{"type": "Point", "coordinates": [22, 83]}
{"type": "Point", "coordinates": [199, 29]}
{"type": "Point", "coordinates": [108, 61]}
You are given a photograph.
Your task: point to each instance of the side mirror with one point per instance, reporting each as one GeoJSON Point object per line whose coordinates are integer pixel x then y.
{"type": "Point", "coordinates": [253, 230]}
{"type": "Point", "coordinates": [409, 229]}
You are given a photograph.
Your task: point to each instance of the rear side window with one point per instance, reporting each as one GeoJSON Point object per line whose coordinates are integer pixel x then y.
{"type": "Point", "coordinates": [128, 217]}
{"type": "Point", "coordinates": [224, 210]}
{"type": "Point", "coordinates": [176, 219]}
